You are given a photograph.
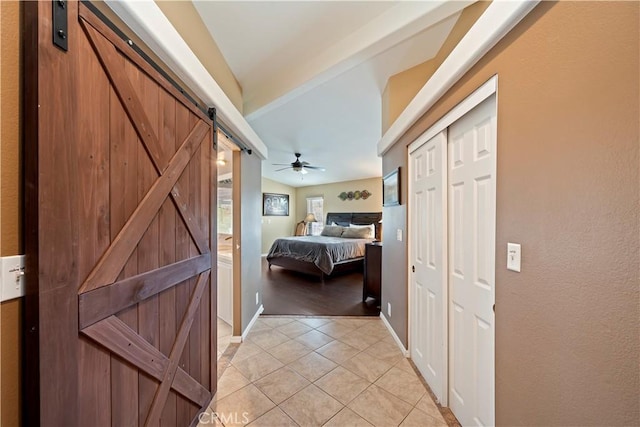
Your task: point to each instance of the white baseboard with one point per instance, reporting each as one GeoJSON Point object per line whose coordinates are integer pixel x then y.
{"type": "Point", "coordinates": [394, 335]}
{"type": "Point", "coordinates": [250, 325]}
{"type": "Point", "coordinates": [235, 339]}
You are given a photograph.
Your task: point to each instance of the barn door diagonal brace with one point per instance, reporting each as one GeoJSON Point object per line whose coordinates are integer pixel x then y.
{"type": "Point", "coordinates": [160, 398]}
{"type": "Point", "coordinates": [60, 27]}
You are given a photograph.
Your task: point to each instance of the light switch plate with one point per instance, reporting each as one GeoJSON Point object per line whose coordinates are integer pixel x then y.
{"type": "Point", "coordinates": [12, 277]}
{"type": "Point", "coordinates": [399, 235]}
{"type": "Point", "coordinates": [513, 257]}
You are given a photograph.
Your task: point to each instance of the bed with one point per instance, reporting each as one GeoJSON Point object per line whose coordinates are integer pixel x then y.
{"type": "Point", "coordinates": [326, 255]}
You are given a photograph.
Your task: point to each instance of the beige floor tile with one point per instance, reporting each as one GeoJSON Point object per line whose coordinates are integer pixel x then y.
{"type": "Point", "coordinates": [367, 366]}
{"type": "Point", "coordinates": [358, 322]}
{"type": "Point", "coordinates": [224, 328]}
{"type": "Point", "coordinates": [335, 329]}
{"type": "Point", "coordinates": [256, 367]}
{"type": "Point", "coordinates": [246, 349]}
{"type": "Point", "coordinates": [274, 321]}
{"type": "Point", "coordinates": [405, 365]}
{"type": "Point", "coordinates": [377, 330]}
{"type": "Point", "coordinates": [380, 407]}
{"type": "Point", "coordinates": [342, 384]}
{"type": "Point", "coordinates": [404, 385]}
{"type": "Point", "coordinates": [274, 418]}
{"type": "Point", "coordinates": [294, 329]}
{"type": "Point", "coordinates": [311, 407]}
{"type": "Point", "coordinates": [281, 384]}
{"type": "Point", "coordinates": [259, 325]}
{"type": "Point", "coordinates": [347, 418]}
{"type": "Point", "coordinates": [417, 418]}
{"type": "Point", "coordinates": [350, 354]}
{"type": "Point", "coordinates": [314, 339]}
{"type": "Point", "coordinates": [242, 406]}
{"type": "Point", "coordinates": [337, 351]}
{"type": "Point", "coordinates": [389, 352]}
{"type": "Point", "coordinates": [232, 380]}
{"type": "Point", "coordinates": [312, 366]}
{"type": "Point", "coordinates": [429, 407]}
{"type": "Point", "coordinates": [314, 322]}
{"type": "Point", "coordinates": [389, 339]}
{"type": "Point", "coordinates": [267, 338]}
{"type": "Point", "coordinates": [209, 419]}
{"type": "Point", "coordinates": [223, 343]}
{"type": "Point", "coordinates": [359, 340]}
{"type": "Point", "coordinates": [289, 351]}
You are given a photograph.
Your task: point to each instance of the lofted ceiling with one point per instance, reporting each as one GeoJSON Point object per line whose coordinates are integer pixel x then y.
{"type": "Point", "coordinates": [313, 73]}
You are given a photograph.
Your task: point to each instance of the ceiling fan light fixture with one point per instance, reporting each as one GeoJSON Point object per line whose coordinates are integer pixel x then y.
{"type": "Point", "coordinates": [298, 166]}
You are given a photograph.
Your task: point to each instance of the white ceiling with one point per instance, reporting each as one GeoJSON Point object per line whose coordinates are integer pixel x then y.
{"type": "Point", "coordinates": [313, 73]}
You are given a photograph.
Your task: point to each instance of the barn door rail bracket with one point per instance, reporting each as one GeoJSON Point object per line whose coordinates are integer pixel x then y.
{"type": "Point", "coordinates": [60, 27]}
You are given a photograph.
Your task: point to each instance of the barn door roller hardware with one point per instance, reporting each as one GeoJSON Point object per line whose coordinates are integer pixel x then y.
{"type": "Point", "coordinates": [60, 28]}
{"type": "Point", "coordinates": [211, 112]}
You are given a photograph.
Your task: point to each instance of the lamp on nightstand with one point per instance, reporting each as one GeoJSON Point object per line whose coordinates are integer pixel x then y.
{"type": "Point", "coordinates": [308, 219]}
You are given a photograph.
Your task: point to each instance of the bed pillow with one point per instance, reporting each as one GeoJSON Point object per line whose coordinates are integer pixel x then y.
{"type": "Point", "coordinates": [370, 227]}
{"type": "Point", "coordinates": [332, 231]}
{"type": "Point", "coordinates": [357, 233]}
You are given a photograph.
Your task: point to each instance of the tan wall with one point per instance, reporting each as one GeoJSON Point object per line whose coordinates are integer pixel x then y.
{"type": "Point", "coordinates": [333, 204]}
{"type": "Point", "coordinates": [278, 226]}
{"type": "Point", "coordinates": [10, 208]}
{"type": "Point", "coordinates": [403, 87]}
{"type": "Point", "coordinates": [186, 20]}
{"type": "Point", "coordinates": [567, 328]}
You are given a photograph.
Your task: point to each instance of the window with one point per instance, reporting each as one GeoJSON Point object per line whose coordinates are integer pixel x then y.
{"type": "Point", "coordinates": [315, 206]}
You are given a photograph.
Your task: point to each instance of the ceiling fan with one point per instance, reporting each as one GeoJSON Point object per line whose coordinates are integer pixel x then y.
{"type": "Point", "coordinates": [298, 166]}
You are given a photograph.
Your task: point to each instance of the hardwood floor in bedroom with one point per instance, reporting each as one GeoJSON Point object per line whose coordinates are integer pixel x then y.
{"type": "Point", "coordinates": [288, 292]}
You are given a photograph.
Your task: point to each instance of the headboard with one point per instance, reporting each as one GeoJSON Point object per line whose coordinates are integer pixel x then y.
{"type": "Point", "coordinates": [357, 218]}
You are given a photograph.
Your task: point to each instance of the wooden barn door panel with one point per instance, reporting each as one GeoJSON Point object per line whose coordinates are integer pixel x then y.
{"type": "Point", "coordinates": [134, 218]}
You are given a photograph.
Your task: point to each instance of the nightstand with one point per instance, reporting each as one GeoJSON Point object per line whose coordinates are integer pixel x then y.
{"type": "Point", "coordinates": [372, 271]}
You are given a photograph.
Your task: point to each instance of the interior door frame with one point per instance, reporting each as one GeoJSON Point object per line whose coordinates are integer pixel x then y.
{"type": "Point", "coordinates": [489, 88]}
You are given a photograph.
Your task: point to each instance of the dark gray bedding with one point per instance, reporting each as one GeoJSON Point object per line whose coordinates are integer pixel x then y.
{"type": "Point", "coordinates": [322, 251]}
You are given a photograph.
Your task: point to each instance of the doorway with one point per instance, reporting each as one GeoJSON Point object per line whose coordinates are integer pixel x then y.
{"type": "Point", "coordinates": [225, 163]}
{"type": "Point", "coordinates": [452, 178]}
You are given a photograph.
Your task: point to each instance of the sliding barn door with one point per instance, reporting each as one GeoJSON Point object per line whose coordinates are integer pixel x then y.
{"type": "Point", "coordinates": [119, 222]}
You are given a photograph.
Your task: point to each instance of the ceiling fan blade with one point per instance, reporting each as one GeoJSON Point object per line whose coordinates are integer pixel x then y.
{"type": "Point", "coordinates": [278, 170]}
{"type": "Point", "coordinates": [320, 168]}
{"type": "Point", "coordinates": [281, 164]}
{"type": "Point", "coordinates": [305, 163]}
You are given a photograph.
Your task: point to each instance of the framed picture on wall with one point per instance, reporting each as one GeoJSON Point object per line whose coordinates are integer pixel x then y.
{"type": "Point", "coordinates": [391, 188]}
{"type": "Point", "coordinates": [275, 204]}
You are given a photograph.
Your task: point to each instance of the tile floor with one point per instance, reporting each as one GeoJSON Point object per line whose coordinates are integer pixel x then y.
{"type": "Point", "coordinates": [224, 336]}
{"type": "Point", "coordinates": [316, 371]}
